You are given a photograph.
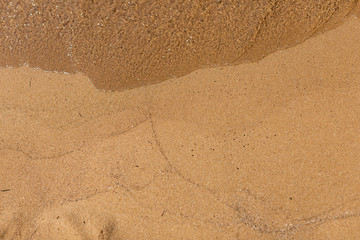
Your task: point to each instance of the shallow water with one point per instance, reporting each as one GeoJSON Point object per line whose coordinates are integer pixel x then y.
{"type": "Point", "coordinates": [126, 44]}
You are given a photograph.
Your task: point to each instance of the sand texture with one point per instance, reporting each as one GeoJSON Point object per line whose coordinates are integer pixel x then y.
{"type": "Point", "coordinates": [126, 44]}
{"type": "Point", "coordinates": [263, 150]}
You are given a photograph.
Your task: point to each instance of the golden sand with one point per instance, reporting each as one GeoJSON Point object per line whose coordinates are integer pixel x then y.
{"type": "Point", "coordinates": [262, 150]}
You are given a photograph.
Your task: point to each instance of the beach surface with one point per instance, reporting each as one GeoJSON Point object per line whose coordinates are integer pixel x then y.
{"type": "Point", "coordinates": [261, 150]}
{"type": "Point", "coordinates": [121, 45]}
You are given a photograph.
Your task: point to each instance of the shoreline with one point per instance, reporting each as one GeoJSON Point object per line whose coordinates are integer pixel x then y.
{"type": "Point", "coordinates": [122, 46]}
{"type": "Point", "coordinates": [263, 150]}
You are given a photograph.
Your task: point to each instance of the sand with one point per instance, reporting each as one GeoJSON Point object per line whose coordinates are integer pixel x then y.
{"type": "Point", "coordinates": [262, 150]}
{"type": "Point", "coordinates": [125, 44]}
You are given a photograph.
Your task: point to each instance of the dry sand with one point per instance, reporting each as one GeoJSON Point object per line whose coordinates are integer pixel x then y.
{"type": "Point", "coordinates": [264, 150]}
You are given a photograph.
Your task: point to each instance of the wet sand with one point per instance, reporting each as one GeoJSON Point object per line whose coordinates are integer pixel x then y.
{"type": "Point", "coordinates": [263, 150]}
{"type": "Point", "coordinates": [124, 44]}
